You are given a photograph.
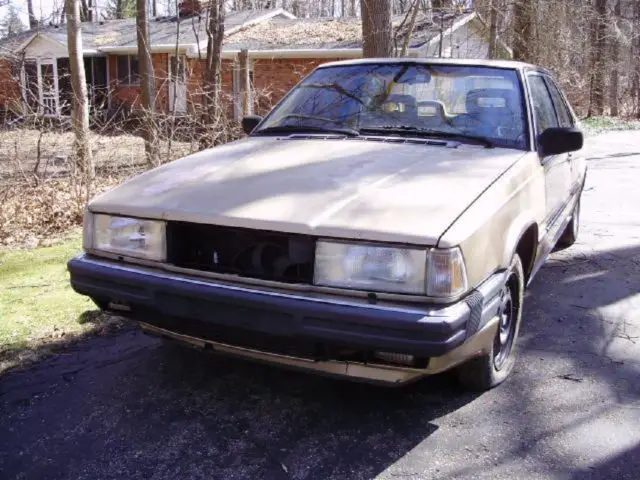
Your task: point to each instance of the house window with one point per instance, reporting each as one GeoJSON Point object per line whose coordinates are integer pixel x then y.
{"type": "Point", "coordinates": [128, 72]}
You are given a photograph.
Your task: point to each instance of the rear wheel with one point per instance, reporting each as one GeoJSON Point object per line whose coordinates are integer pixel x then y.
{"type": "Point", "coordinates": [570, 234]}
{"type": "Point", "coordinates": [493, 368]}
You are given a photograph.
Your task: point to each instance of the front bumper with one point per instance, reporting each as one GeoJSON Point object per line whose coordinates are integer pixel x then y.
{"type": "Point", "coordinates": [217, 314]}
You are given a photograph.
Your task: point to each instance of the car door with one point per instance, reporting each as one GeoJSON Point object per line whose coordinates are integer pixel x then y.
{"type": "Point", "coordinates": [557, 169]}
{"type": "Point", "coordinates": [566, 118]}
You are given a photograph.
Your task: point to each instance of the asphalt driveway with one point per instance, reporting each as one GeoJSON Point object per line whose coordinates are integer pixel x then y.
{"type": "Point", "coordinates": [129, 406]}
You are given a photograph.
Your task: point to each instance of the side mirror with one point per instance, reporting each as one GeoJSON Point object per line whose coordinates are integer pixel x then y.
{"type": "Point", "coordinates": [250, 122]}
{"type": "Point", "coordinates": [557, 140]}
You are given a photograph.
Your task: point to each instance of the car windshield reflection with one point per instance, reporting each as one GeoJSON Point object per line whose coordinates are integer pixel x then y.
{"type": "Point", "coordinates": [466, 102]}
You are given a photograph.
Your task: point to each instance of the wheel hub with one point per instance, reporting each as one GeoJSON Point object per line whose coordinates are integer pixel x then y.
{"type": "Point", "coordinates": [506, 328]}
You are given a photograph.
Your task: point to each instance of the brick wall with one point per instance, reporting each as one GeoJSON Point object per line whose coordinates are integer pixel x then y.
{"type": "Point", "coordinates": [273, 78]}
{"type": "Point", "coordinates": [195, 83]}
{"type": "Point", "coordinates": [9, 87]}
{"type": "Point", "coordinates": [129, 95]}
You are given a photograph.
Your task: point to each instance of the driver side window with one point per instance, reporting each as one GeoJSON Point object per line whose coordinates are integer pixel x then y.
{"type": "Point", "coordinates": [543, 109]}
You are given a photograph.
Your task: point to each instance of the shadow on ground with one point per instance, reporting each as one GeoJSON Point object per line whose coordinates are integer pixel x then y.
{"type": "Point", "coordinates": [131, 406]}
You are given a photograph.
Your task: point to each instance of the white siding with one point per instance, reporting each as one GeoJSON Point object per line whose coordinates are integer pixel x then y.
{"type": "Point", "coordinates": [465, 42]}
{"type": "Point", "coordinates": [42, 47]}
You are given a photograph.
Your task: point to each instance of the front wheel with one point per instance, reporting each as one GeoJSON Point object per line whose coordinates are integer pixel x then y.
{"type": "Point", "coordinates": [485, 372]}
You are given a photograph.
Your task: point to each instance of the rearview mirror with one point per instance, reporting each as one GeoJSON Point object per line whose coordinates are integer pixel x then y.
{"type": "Point", "coordinates": [557, 140]}
{"type": "Point", "coordinates": [250, 122]}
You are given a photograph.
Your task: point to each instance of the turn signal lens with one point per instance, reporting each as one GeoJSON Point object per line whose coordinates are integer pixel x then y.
{"type": "Point", "coordinates": [446, 273]}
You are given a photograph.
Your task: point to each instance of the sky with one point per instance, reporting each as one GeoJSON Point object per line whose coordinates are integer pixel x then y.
{"type": "Point", "coordinates": [43, 8]}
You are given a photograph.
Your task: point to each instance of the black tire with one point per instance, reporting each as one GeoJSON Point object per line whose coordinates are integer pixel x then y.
{"type": "Point", "coordinates": [101, 304]}
{"type": "Point", "coordinates": [570, 234]}
{"type": "Point", "coordinates": [490, 370]}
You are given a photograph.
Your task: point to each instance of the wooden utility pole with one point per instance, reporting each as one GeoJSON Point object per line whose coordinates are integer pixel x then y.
{"type": "Point", "coordinates": [147, 88]}
{"type": "Point", "coordinates": [79, 102]}
{"type": "Point", "coordinates": [376, 28]}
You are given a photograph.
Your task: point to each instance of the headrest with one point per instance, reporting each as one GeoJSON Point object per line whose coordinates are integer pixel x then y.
{"type": "Point", "coordinates": [409, 101]}
{"type": "Point", "coordinates": [492, 99]}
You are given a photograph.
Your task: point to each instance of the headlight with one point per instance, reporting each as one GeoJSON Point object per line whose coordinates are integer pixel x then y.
{"type": "Point", "coordinates": [132, 237]}
{"type": "Point", "coordinates": [434, 272]}
{"type": "Point", "coordinates": [370, 267]}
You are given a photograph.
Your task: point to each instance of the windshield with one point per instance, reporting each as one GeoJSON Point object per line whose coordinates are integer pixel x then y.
{"type": "Point", "coordinates": [407, 99]}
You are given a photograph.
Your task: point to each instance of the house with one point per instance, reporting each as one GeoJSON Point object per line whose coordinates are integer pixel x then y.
{"type": "Point", "coordinates": [34, 66]}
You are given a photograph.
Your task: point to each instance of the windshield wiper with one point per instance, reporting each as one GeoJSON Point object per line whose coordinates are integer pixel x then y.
{"type": "Point", "coordinates": [427, 132]}
{"type": "Point", "coordinates": [334, 86]}
{"type": "Point", "coordinates": [307, 128]}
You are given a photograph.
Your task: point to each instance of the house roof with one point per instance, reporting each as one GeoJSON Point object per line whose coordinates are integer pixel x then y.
{"type": "Point", "coordinates": [114, 34]}
{"type": "Point", "coordinates": [331, 33]}
{"type": "Point", "coordinates": [265, 31]}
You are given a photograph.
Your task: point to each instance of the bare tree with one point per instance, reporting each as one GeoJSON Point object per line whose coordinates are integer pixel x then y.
{"type": "Point", "coordinates": [523, 27]}
{"type": "Point", "coordinates": [409, 32]}
{"type": "Point", "coordinates": [147, 90]}
{"type": "Point", "coordinates": [33, 22]}
{"type": "Point", "coordinates": [614, 88]}
{"type": "Point", "coordinates": [493, 28]}
{"type": "Point", "coordinates": [635, 52]}
{"type": "Point", "coordinates": [598, 53]}
{"type": "Point", "coordinates": [213, 66]}
{"type": "Point", "coordinates": [79, 101]}
{"type": "Point", "coordinates": [376, 28]}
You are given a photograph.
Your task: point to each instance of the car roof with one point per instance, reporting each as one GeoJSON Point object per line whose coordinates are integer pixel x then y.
{"type": "Point", "coordinates": [472, 62]}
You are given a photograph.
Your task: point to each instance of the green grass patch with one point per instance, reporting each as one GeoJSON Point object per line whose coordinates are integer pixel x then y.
{"type": "Point", "coordinates": [39, 310]}
{"type": "Point", "coordinates": [595, 125]}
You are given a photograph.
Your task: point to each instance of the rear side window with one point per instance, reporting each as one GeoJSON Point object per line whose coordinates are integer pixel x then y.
{"type": "Point", "coordinates": [564, 116]}
{"type": "Point", "coordinates": [542, 104]}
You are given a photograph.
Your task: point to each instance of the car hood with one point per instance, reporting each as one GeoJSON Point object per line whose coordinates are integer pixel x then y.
{"type": "Point", "coordinates": [349, 188]}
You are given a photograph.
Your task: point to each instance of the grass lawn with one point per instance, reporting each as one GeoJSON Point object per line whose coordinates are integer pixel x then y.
{"type": "Point", "coordinates": [38, 309]}
{"type": "Point", "coordinates": [595, 125]}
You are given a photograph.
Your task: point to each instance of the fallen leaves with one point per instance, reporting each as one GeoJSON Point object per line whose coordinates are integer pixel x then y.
{"type": "Point", "coordinates": [31, 216]}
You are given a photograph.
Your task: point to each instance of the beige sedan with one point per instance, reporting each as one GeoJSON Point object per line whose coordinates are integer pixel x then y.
{"type": "Point", "coordinates": [380, 223]}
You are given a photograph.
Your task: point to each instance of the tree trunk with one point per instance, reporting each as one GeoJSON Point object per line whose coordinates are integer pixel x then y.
{"type": "Point", "coordinates": [154, 8]}
{"type": "Point", "coordinates": [120, 9]}
{"type": "Point", "coordinates": [615, 67]}
{"type": "Point", "coordinates": [598, 51]}
{"type": "Point", "coordinates": [523, 11]}
{"type": "Point", "coordinates": [412, 24]}
{"type": "Point", "coordinates": [376, 28]}
{"type": "Point", "coordinates": [635, 50]}
{"type": "Point", "coordinates": [493, 29]}
{"type": "Point", "coordinates": [245, 83]}
{"type": "Point", "coordinates": [79, 102]}
{"type": "Point", "coordinates": [33, 22]}
{"type": "Point", "coordinates": [212, 73]}
{"type": "Point", "coordinates": [147, 90]}
{"type": "Point", "coordinates": [84, 11]}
